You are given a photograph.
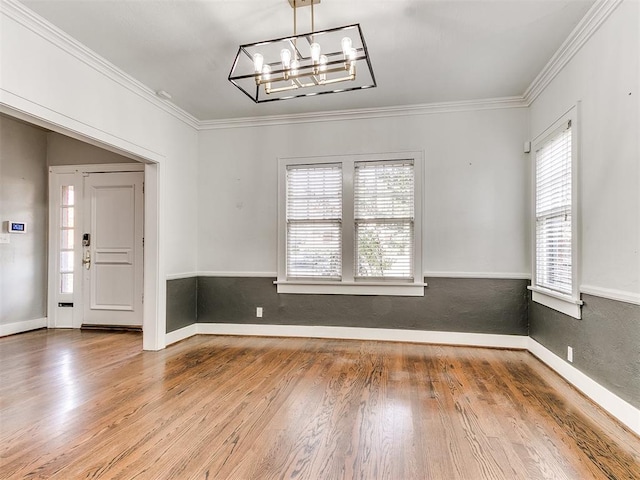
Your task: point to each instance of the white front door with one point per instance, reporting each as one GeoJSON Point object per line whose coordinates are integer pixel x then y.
{"type": "Point", "coordinates": [113, 259]}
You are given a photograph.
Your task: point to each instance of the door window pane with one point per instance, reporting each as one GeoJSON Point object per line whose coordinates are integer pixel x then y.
{"type": "Point", "coordinates": [66, 261]}
{"type": "Point", "coordinates": [66, 283]}
{"type": "Point", "coordinates": [67, 196]}
{"type": "Point", "coordinates": [67, 244]}
{"type": "Point", "coordinates": [66, 239]}
{"type": "Point", "coordinates": [67, 217]}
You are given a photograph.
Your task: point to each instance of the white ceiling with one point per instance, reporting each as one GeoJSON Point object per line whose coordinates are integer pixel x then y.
{"type": "Point", "coordinates": [422, 51]}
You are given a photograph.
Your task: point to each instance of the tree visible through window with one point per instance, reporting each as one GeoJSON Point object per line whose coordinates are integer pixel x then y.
{"type": "Point", "coordinates": [384, 219]}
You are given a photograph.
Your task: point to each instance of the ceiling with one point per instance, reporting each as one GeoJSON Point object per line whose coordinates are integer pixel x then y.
{"type": "Point", "coordinates": [422, 51]}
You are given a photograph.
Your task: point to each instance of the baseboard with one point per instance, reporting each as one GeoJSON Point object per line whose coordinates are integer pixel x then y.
{"type": "Point", "coordinates": [25, 326]}
{"type": "Point", "coordinates": [181, 334]}
{"type": "Point", "coordinates": [617, 407]}
{"type": "Point", "coordinates": [355, 333]}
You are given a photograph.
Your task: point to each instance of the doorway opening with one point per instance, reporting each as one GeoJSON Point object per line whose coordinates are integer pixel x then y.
{"type": "Point", "coordinates": [96, 245]}
{"type": "Point", "coordinates": [150, 162]}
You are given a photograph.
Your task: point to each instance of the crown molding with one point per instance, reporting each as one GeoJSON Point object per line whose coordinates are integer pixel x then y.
{"type": "Point", "coordinates": [366, 113]}
{"type": "Point", "coordinates": [596, 16]}
{"type": "Point", "coordinates": [38, 25]}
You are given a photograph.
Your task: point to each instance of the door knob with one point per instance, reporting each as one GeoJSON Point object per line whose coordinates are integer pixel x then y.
{"type": "Point", "coordinates": [86, 260]}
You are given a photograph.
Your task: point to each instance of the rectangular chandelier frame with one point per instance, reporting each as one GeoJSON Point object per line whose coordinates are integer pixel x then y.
{"type": "Point", "coordinates": [339, 72]}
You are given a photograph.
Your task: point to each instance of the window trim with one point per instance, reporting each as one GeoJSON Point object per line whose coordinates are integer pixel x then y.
{"type": "Point", "coordinates": [348, 285]}
{"type": "Point", "coordinates": [567, 304]}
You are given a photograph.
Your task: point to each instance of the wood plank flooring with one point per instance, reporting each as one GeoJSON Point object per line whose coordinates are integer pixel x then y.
{"type": "Point", "coordinates": [92, 405]}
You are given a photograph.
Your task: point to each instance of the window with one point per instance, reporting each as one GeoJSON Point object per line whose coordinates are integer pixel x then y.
{"type": "Point", "coordinates": [63, 277]}
{"type": "Point", "coordinates": [67, 225]}
{"type": "Point", "coordinates": [383, 198]}
{"type": "Point", "coordinates": [314, 221]}
{"type": "Point", "coordinates": [553, 213]}
{"type": "Point", "coordinates": [351, 225]}
{"type": "Point", "coordinates": [554, 280]}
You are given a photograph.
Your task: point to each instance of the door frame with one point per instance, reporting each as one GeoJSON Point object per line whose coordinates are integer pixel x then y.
{"type": "Point", "coordinates": [73, 175]}
{"type": "Point", "coordinates": [155, 290]}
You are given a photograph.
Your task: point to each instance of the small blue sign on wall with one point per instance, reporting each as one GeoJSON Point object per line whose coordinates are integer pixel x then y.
{"type": "Point", "coordinates": [16, 227]}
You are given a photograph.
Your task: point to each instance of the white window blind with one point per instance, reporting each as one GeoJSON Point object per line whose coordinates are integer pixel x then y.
{"type": "Point", "coordinates": [314, 221]}
{"type": "Point", "coordinates": [384, 219]}
{"type": "Point", "coordinates": [553, 213]}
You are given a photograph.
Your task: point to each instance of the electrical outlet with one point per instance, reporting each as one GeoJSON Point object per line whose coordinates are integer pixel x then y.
{"type": "Point", "coordinates": [259, 312]}
{"type": "Point", "coordinates": [570, 354]}
{"type": "Point", "coordinates": [5, 238]}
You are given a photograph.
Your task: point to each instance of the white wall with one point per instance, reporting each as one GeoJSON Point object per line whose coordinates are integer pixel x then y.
{"type": "Point", "coordinates": [180, 197]}
{"type": "Point", "coordinates": [604, 77]}
{"type": "Point", "coordinates": [476, 183]}
{"type": "Point", "coordinates": [23, 197]}
{"type": "Point", "coordinates": [63, 150]}
{"type": "Point", "coordinates": [49, 79]}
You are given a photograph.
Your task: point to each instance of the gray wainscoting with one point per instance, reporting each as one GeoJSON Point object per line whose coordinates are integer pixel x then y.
{"type": "Point", "coordinates": [182, 306]}
{"type": "Point", "coordinates": [454, 305]}
{"type": "Point", "coordinates": [606, 342]}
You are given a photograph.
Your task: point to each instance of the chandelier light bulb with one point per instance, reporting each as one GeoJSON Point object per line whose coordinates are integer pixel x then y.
{"type": "Point", "coordinates": [258, 61]}
{"type": "Point", "coordinates": [285, 56]}
{"type": "Point", "coordinates": [266, 72]}
{"type": "Point", "coordinates": [315, 53]}
{"type": "Point", "coordinates": [353, 54]}
{"type": "Point", "coordinates": [323, 63]}
{"type": "Point", "coordinates": [295, 66]}
{"type": "Point", "coordinates": [346, 46]}
{"type": "Point", "coordinates": [323, 67]}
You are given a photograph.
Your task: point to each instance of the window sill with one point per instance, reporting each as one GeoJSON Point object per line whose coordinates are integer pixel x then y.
{"type": "Point", "coordinates": [561, 303]}
{"type": "Point", "coordinates": [351, 288]}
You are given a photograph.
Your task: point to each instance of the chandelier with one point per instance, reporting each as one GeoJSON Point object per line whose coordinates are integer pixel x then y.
{"type": "Point", "coordinates": [315, 63]}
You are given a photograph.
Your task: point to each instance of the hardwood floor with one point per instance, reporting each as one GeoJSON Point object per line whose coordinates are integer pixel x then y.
{"type": "Point", "coordinates": [85, 404]}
